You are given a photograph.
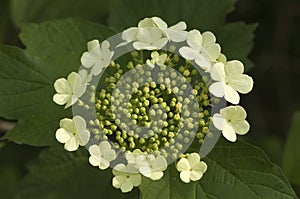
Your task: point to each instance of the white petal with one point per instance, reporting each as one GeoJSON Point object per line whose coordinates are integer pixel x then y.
{"type": "Point", "coordinates": [62, 135]}
{"type": "Point", "coordinates": [91, 45]}
{"type": "Point", "coordinates": [213, 51]}
{"type": "Point", "coordinates": [136, 179]}
{"type": "Point", "coordinates": [160, 43]}
{"type": "Point", "coordinates": [95, 151]}
{"type": "Point", "coordinates": [130, 34]}
{"type": "Point", "coordinates": [202, 62]}
{"type": "Point", "coordinates": [217, 72]}
{"type": "Point", "coordinates": [234, 113]}
{"type": "Point", "coordinates": [243, 84]}
{"type": "Point", "coordinates": [183, 165]}
{"type": "Point", "coordinates": [156, 175]}
{"type": "Point", "coordinates": [194, 40]}
{"type": "Point", "coordinates": [68, 125]}
{"type": "Point", "coordinates": [72, 144]}
{"type": "Point", "coordinates": [185, 176]}
{"type": "Point", "coordinates": [83, 137]}
{"type": "Point", "coordinates": [218, 121]}
{"type": "Point", "coordinates": [61, 99]}
{"type": "Point", "coordinates": [234, 68]}
{"type": "Point", "coordinates": [144, 35]}
{"type": "Point", "coordinates": [145, 171]}
{"type": "Point", "coordinates": [200, 167]}
{"type": "Point", "coordinates": [188, 53]}
{"type": "Point", "coordinates": [179, 26]}
{"type": "Point", "coordinates": [231, 95]}
{"type": "Point", "coordinates": [241, 127]}
{"type": "Point", "coordinates": [95, 161]}
{"type": "Point", "coordinates": [118, 181]}
{"type": "Point", "coordinates": [195, 175]}
{"type": "Point", "coordinates": [193, 159]}
{"type": "Point", "coordinates": [61, 85]}
{"type": "Point", "coordinates": [176, 36]}
{"type": "Point", "coordinates": [104, 164]}
{"type": "Point", "coordinates": [79, 123]}
{"type": "Point", "coordinates": [217, 89]}
{"type": "Point", "coordinates": [159, 22]}
{"type": "Point", "coordinates": [159, 164]}
{"type": "Point", "coordinates": [126, 186]}
{"type": "Point", "coordinates": [229, 133]}
{"type": "Point", "coordinates": [147, 22]}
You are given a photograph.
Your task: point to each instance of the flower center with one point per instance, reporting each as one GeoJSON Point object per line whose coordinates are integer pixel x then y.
{"type": "Point", "coordinates": [153, 105]}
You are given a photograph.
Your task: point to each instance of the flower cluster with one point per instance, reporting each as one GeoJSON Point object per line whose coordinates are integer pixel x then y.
{"type": "Point", "coordinates": [145, 114]}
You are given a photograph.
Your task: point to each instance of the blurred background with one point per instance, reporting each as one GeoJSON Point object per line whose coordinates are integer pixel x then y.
{"type": "Point", "coordinates": [276, 72]}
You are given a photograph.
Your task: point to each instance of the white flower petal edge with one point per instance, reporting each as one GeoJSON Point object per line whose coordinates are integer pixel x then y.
{"type": "Point", "coordinates": [97, 57]}
{"type": "Point", "coordinates": [191, 168]}
{"type": "Point", "coordinates": [126, 177]}
{"type": "Point", "coordinates": [101, 155]}
{"type": "Point", "coordinates": [69, 90]}
{"type": "Point", "coordinates": [231, 121]}
{"type": "Point", "coordinates": [73, 133]}
{"type": "Point", "coordinates": [230, 80]}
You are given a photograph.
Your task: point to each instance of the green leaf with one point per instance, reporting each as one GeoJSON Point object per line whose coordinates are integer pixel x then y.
{"type": "Point", "coordinates": [235, 170]}
{"type": "Point", "coordinates": [236, 39]}
{"type": "Point", "coordinates": [39, 11]}
{"type": "Point", "coordinates": [27, 76]}
{"type": "Point", "coordinates": [291, 155]}
{"type": "Point", "coordinates": [59, 174]}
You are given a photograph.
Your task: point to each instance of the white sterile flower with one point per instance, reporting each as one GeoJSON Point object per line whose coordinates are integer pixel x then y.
{"type": "Point", "coordinates": [69, 90]}
{"type": "Point", "coordinates": [156, 59]}
{"type": "Point", "coordinates": [149, 39]}
{"type": "Point", "coordinates": [202, 49]}
{"type": "Point", "coordinates": [102, 155]}
{"type": "Point", "coordinates": [72, 133]}
{"type": "Point", "coordinates": [97, 56]}
{"type": "Point", "coordinates": [152, 166]}
{"type": "Point", "coordinates": [126, 177]}
{"type": "Point", "coordinates": [191, 168]}
{"type": "Point", "coordinates": [231, 121]}
{"type": "Point", "coordinates": [230, 79]}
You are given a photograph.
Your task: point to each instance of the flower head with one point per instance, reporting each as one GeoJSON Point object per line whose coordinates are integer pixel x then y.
{"type": "Point", "coordinates": [156, 59]}
{"type": "Point", "coordinates": [191, 168]}
{"type": "Point", "coordinates": [97, 56]}
{"type": "Point", "coordinates": [72, 133]}
{"type": "Point", "coordinates": [126, 177]}
{"type": "Point", "coordinates": [231, 121]}
{"type": "Point", "coordinates": [101, 155]}
{"type": "Point", "coordinates": [69, 90]}
{"type": "Point", "coordinates": [202, 48]}
{"type": "Point", "coordinates": [230, 80]}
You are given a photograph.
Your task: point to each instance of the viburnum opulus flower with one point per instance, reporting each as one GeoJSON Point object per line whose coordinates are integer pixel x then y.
{"type": "Point", "coordinates": [97, 57]}
{"type": "Point", "coordinates": [149, 107]}
{"type": "Point", "coordinates": [72, 133]}
{"type": "Point", "coordinates": [230, 80]}
{"type": "Point", "coordinates": [231, 121]}
{"type": "Point", "coordinates": [126, 177]}
{"type": "Point", "coordinates": [102, 155]}
{"type": "Point", "coordinates": [69, 90]}
{"type": "Point", "coordinates": [191, 168]}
